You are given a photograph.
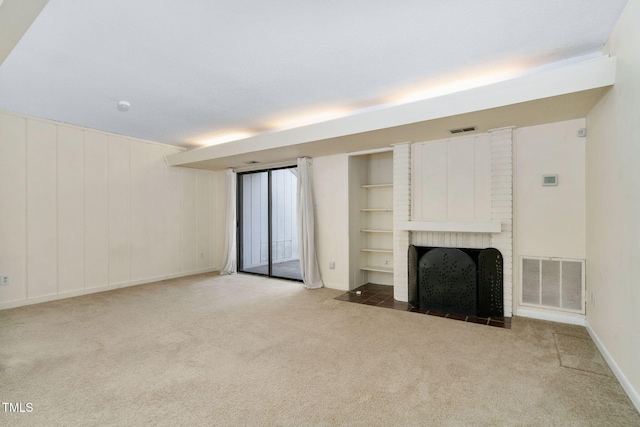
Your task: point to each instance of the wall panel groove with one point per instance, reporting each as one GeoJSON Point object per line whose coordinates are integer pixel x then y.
{"type": "Point", "coordinates": [89, 211]}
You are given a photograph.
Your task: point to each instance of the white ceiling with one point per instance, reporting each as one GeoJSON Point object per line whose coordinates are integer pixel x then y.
{"type": "Point", "coordinates": [193, 70]}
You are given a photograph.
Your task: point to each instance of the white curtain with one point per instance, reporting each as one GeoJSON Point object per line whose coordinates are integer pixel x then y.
{"type": "Point", "coordinates": [306, 227]}
{"type": "Point", "coordinates": [229, 261]}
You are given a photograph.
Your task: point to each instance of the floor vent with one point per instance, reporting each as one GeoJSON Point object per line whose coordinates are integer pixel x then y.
{"type": "Point", "coordinates": [553, 283]}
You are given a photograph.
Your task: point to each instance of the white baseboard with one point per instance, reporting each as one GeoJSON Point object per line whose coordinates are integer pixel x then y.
{"type": "Point", "coordinates": [336, 286]}
{"type": "Point", "coordinates": [622, 378]}
{"type": "Point", "coordinates": [551, 316]}
{"type": "Point", "coordinates": [87, 291]}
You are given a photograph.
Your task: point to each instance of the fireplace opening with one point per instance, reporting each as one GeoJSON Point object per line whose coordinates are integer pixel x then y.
{"type": "Point", "coordinates": [462, 281]}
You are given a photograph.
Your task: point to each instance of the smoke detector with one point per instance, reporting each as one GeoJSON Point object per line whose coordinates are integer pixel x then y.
{"type": "Point", "coordinates": [123, 106]}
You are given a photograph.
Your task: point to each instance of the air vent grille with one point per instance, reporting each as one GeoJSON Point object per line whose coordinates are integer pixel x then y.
{"type": "Point", "coordinates": [553, 284]}
{"type": "Point", "coordinates": [463, 130]}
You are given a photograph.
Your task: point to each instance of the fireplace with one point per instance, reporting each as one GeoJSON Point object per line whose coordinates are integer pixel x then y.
{"type": "Point", "coordinates": [462, 281]}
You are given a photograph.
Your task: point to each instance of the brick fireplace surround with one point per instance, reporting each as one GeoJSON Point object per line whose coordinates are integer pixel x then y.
{"type": "Point", "coordinates": [496, 233]}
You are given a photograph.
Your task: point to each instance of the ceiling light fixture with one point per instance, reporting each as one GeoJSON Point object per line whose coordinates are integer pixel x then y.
{"type": "Point", "coordinates": [123, 106]}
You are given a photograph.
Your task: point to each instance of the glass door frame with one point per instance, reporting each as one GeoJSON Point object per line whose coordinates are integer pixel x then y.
{"type": "Point", "coordinates": [239, 227]}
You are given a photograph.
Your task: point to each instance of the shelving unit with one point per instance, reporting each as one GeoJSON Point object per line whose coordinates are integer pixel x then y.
{"type": "Point", "coordinates": [371, 218]}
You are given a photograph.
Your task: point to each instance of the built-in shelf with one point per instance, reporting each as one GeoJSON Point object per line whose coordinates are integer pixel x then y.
{"type": "Point", "coordinates": [376, 185]}
{"type": "Point", "coordinates": [378, 269]}
{"type": "Point", "coordinates": [371, 218]}
{"type": "Point", "coordinates": [452, 226]}
{"type": "Point", "coordinates": [382, 251]}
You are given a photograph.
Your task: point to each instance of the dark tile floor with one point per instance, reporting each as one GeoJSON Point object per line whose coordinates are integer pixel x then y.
{"type": "Point", "coordinates": [382, 296]}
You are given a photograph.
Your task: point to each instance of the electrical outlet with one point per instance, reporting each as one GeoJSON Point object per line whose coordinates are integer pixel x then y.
{"type": "Point", "coordinates": [386, 262]}
{"type": "Point", "coordinates": [4, 280]}
{"type": "Point", "coordinates": [332, 265]}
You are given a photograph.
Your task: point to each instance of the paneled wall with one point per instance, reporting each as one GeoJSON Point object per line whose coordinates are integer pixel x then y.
{"type": "Point", "coordinates": [451, 179]}
{"type": "Point", "coordinates": [83, 211]}
{"type": "Point", "coordinates": [284, 184]}
{"type": "Point", "coordinates": [255, 219]}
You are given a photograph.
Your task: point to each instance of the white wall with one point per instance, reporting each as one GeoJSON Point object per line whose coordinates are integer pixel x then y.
{"type": "Point", "coordinates": [550, 221]}
{"type": "Point", "coordinates": [613, 209]}
{"type": "Point", "coordinates": [84, 211]}
{"type": "Point", "coordinates": [330, 188]}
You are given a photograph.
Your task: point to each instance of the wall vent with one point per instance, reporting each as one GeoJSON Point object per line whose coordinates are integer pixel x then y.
{"type": "Point", "coordinates": [462, 130]}
{"type": "Point", "coordinates": [553, 283]}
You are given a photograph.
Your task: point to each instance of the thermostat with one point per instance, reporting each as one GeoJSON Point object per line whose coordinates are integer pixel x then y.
{"type": "Point", "coordinates": [549, 180]}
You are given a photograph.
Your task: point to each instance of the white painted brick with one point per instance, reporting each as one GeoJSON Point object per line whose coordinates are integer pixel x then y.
{"type": "Point", "coordinates": [497, 139]}
{"type": "Point", "coordinates": [500, 209]}
{"type": "Point", "coordinates": [501, 152]}
{"type": "Point", "coordinates": [498, 192]}
{"type": "Point", "coordinates": [501, 178]}
{"type": "Point", "coordinates": [501, 172]}
{"type": "Point", "coordinates": [502, 167]}
{"type": "Point", "coordinates": [498, 183]}
{"type": "Point", "coordinates": [501, 195]}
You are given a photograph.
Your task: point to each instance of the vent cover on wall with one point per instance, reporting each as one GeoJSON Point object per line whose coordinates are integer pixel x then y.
{"type": "Point", "coordinates": [463, 130]}
{"type": "Point", "coordinates": [553, 283]}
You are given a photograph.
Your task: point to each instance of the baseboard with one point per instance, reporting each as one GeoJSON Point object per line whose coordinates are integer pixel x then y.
{"type": "Point", "coordinates": [622, 378]}
{"type": "Point", "coordinates": [551, 316]}
{"type": "Point", "coordinates": [338, 286]}
{"type": "Point", "coordinates": [80, 292]}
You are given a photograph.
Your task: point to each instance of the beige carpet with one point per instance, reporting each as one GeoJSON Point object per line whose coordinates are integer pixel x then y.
{"type": "Point", "coordinates": [245, 350]}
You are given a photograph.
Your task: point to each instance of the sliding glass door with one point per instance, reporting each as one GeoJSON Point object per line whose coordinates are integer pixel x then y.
{"type": "Point", "coordinates": [267, 235]}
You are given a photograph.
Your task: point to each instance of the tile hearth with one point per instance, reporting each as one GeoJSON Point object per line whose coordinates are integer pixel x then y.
{"type": "Point", "coordinates": [382, 296]}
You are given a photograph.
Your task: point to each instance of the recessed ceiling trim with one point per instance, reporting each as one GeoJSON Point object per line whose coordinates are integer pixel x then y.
{"type": "Point", "coordinates": [584, 76]}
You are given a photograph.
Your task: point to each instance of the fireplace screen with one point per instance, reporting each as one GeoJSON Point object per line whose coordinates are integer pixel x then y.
{"type": "Point", "coordinates": [456, 280]}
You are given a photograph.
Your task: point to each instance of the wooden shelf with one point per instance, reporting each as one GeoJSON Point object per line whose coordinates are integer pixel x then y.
{"type": "Point", "coordinates": [377, 210]}
{"type": "Point", "coordinates": [367, 186]}
{"type": "Point", "coordinates": [378, 269]}
{"type": "Point", "coordinates": [377, 231]}
{"type": "Point", "coordinates": [383, 251]}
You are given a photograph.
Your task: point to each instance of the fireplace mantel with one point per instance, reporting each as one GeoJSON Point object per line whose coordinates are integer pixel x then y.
{"type": "Point", "coordinates": [451, 226]}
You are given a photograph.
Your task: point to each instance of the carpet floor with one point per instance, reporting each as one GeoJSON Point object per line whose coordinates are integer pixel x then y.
{"type": "Point", "coordinates": [246, 350]}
